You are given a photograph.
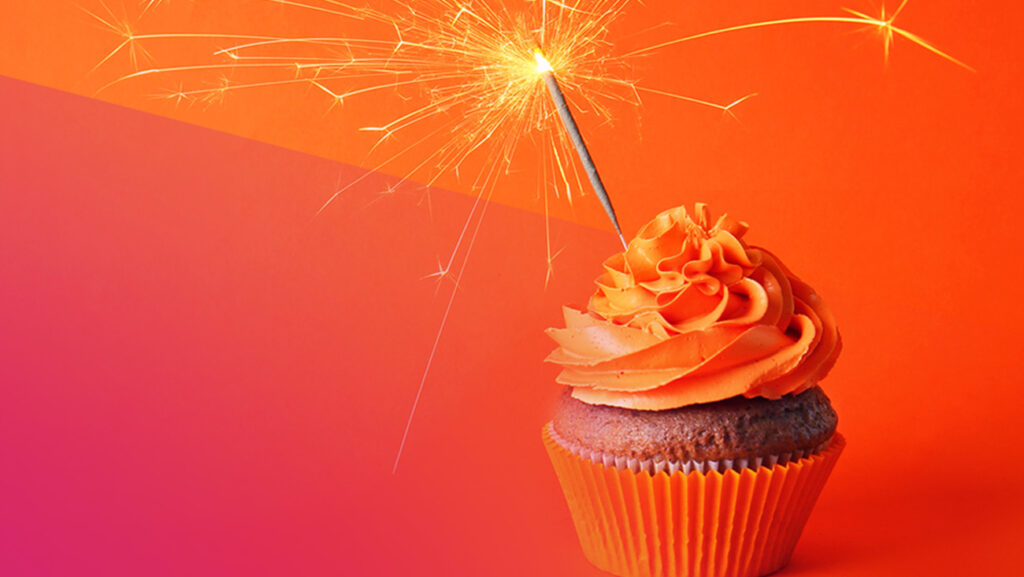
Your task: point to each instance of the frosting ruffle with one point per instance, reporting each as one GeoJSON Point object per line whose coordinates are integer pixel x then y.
{"type": "Point", "coordinates": [690, 314]}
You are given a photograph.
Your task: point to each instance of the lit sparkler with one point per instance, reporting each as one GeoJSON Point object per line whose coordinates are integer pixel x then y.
{"type": "Point", "coordinates": [473, 66]}
{"type": "Point", "coordinates": [475, 69]}
{"type": "Point", "coordinates": [480, 70]}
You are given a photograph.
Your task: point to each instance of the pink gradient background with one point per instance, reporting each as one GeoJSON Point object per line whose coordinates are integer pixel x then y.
{"type": "Point", "coordinates": [201, 379]}
{"type": "Point", "coordinates": [197, 377]}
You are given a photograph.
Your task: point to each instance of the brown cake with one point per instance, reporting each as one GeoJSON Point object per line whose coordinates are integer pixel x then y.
{"type": "Point", "coordinates": [731, 429]}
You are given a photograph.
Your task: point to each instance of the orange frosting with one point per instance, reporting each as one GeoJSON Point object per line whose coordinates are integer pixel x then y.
{"type": "Point", "coordinates": [690, 314]}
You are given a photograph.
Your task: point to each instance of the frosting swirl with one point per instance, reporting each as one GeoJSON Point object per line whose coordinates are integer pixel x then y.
{"type": "Point", "coordinates": [690, 314]}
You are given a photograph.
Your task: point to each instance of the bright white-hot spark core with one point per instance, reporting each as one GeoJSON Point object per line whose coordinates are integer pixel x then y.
{"type": "Point", "coordinates": [543, 65]}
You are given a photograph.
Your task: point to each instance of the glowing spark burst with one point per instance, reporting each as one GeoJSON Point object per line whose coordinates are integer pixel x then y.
{"type": "Point", "coordinates": [471, 65]}
{"type": "Point", "coordinates": [477, 69]}
{"type": "Point", "coordinates": [475, 77]}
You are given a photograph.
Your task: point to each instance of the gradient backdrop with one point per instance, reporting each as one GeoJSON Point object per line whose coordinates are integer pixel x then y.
{"type": "Point", "coordinates": [197, 377]}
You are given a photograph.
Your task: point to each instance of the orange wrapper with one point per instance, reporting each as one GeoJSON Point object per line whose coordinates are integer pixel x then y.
{"type": "Point", "coordinates": [737, 523]}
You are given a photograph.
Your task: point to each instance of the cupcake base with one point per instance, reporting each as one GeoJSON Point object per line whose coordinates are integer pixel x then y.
{"type": "Point", "coordinates": [736, 523]}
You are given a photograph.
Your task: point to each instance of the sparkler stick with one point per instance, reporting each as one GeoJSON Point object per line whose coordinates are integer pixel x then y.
{"type": "Point", "coordinates": [548, 73]}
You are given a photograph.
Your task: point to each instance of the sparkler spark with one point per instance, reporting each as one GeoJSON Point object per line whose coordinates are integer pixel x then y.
{"type": "Point", "coordinates": [883, 24]}
{"type": "Point", "coordinates": [484, 78]}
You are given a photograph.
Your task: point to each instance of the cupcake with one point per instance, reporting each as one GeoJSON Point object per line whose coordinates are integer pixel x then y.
{"type": "Point", "coordinates": [692, 438]}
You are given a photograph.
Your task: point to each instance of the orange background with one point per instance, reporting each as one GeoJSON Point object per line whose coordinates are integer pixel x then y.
{"type": "Point", "coordinates": [200, 377]}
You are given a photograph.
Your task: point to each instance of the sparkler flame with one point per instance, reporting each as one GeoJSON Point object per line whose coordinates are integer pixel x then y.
{"type": "Point", "coordinates": [479, 71]}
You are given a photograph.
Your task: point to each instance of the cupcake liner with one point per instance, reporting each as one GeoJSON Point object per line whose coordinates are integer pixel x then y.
{"type": "Point", "coordinates": [739, 523]}
{"type": "Point", "coordinates": [670, 466]}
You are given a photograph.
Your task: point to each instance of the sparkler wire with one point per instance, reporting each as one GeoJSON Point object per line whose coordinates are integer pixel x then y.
{"type": "Point", "coordinates": [577, 140]}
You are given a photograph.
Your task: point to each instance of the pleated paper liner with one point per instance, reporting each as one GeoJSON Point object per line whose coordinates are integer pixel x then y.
{"type": "Point", "coordinates": [699, 524]}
